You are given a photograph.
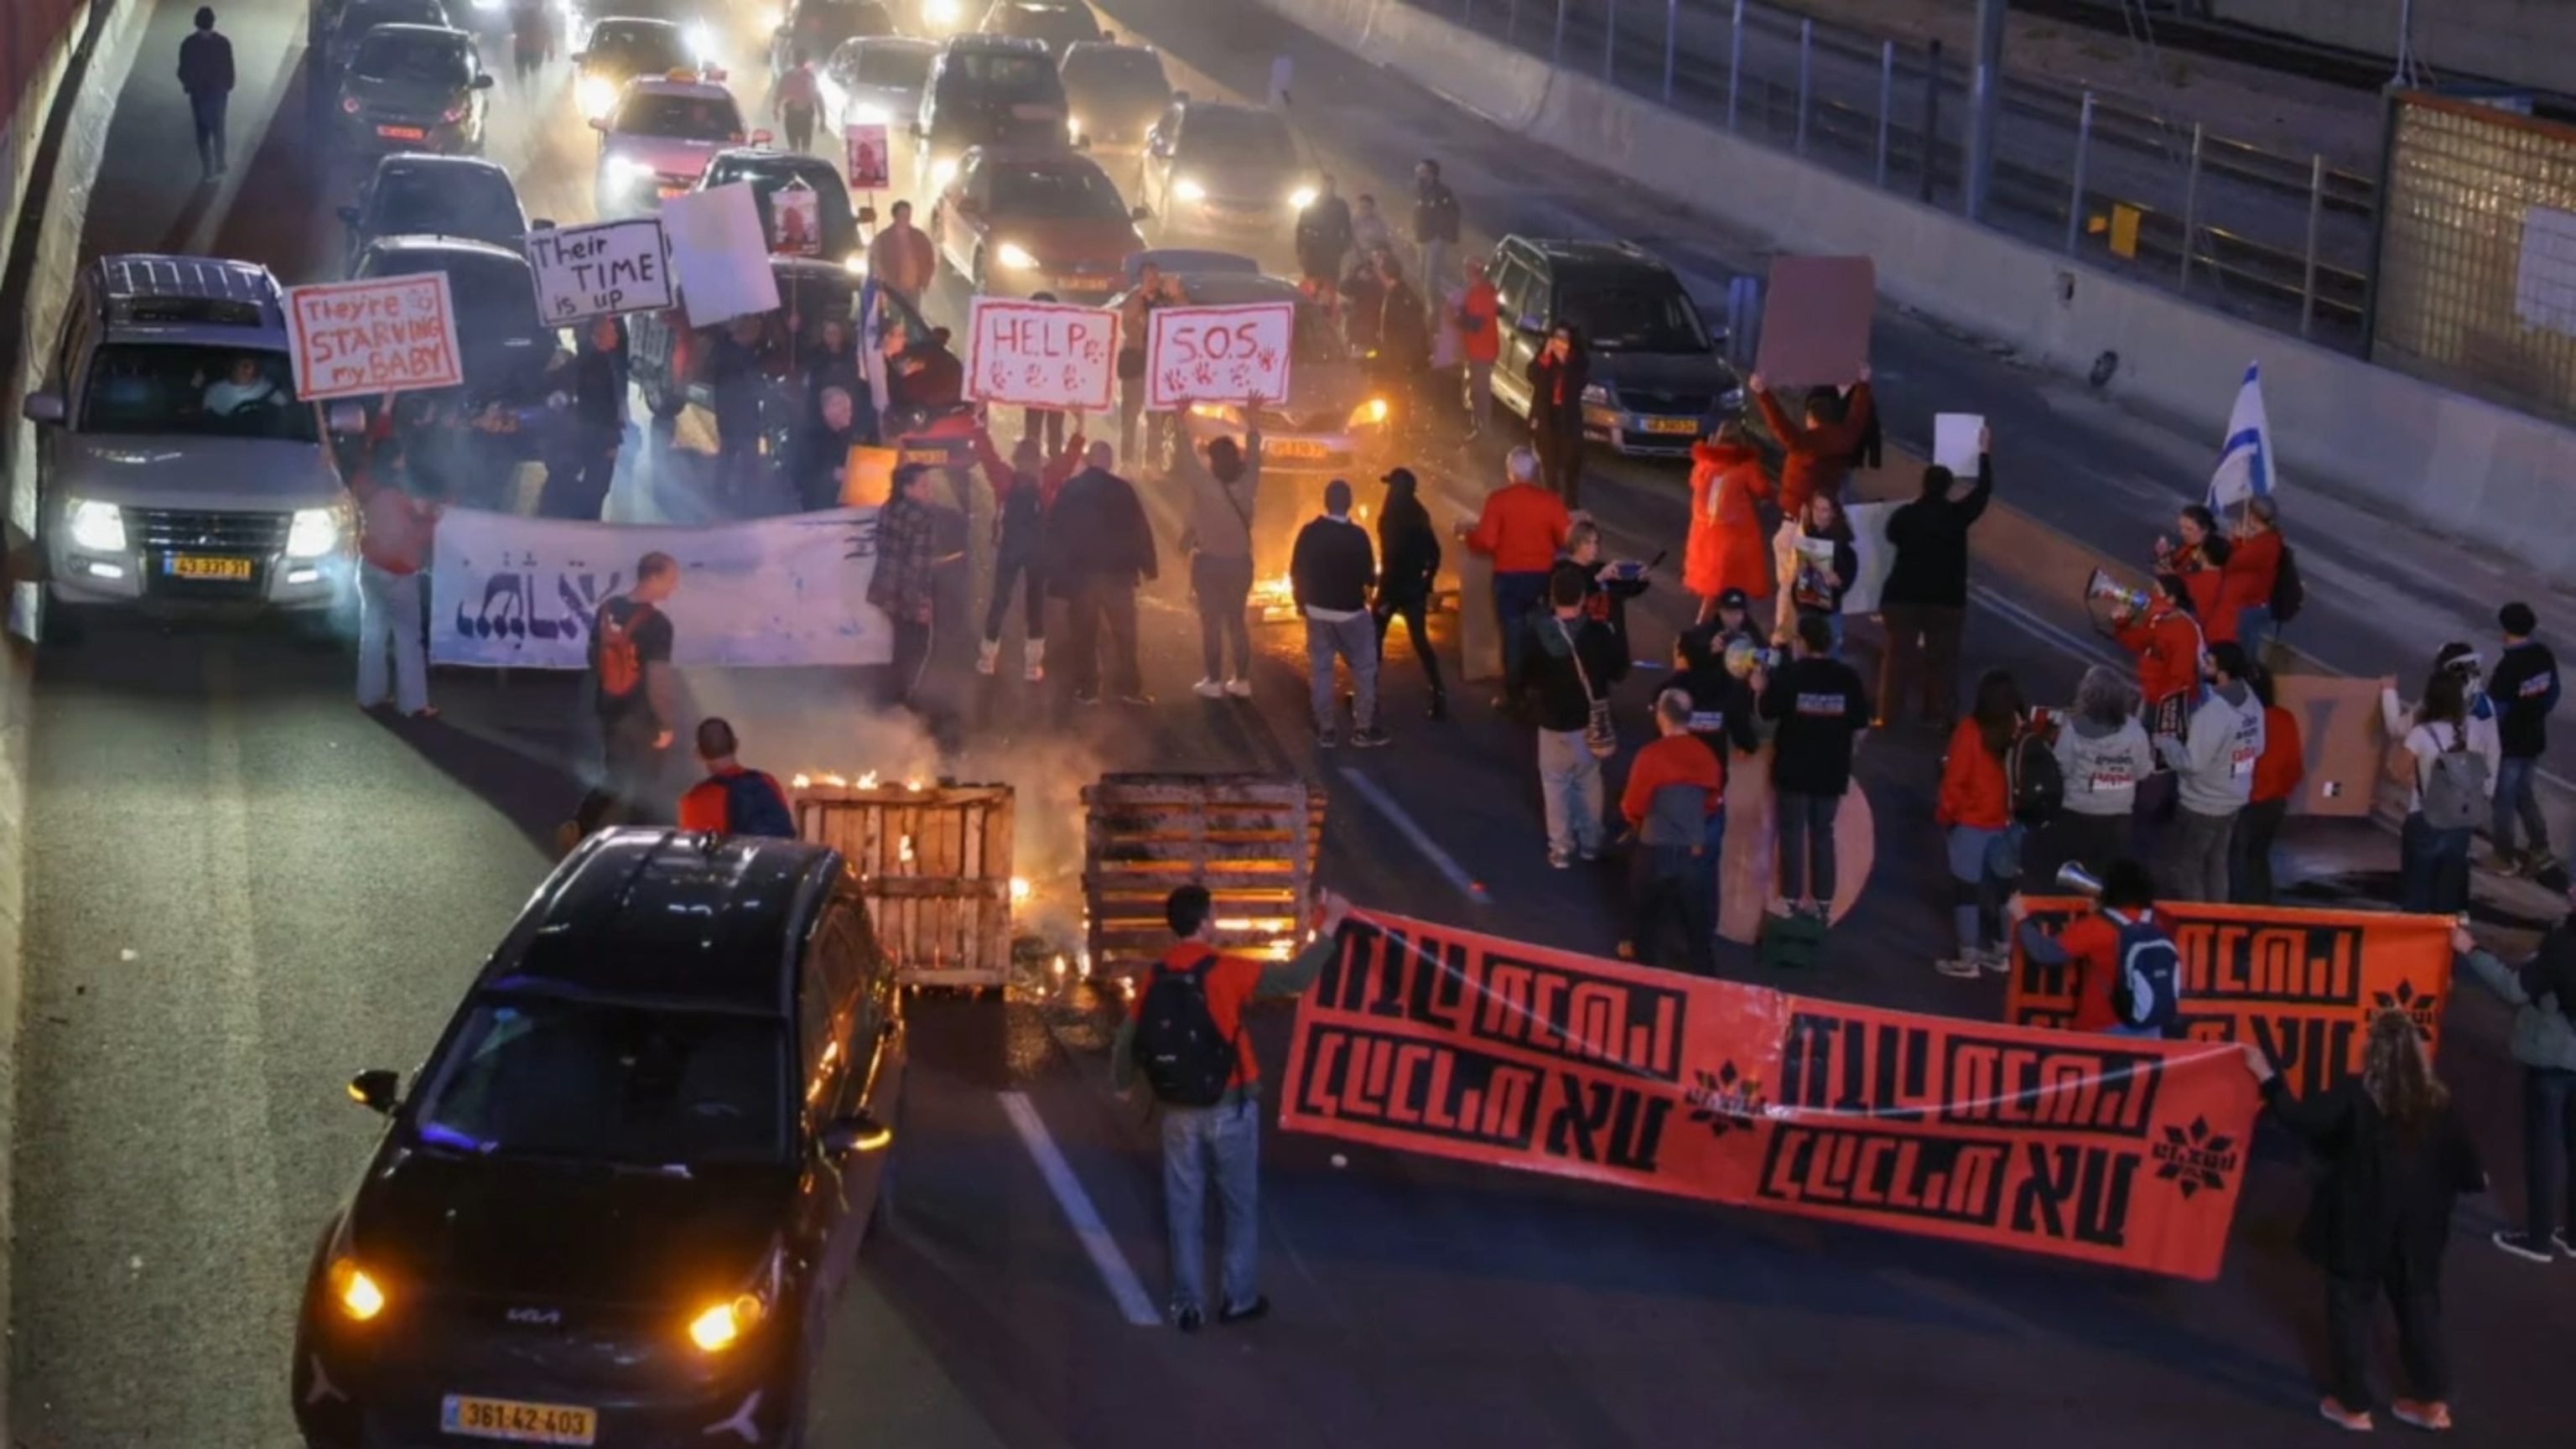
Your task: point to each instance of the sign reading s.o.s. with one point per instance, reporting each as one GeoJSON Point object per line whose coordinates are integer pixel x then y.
{"type": "Point", "coordinates": [365, 339]}
{"type": "Point", "coordinates": [600, 271]}
{"type": "Point", "coordinates": [1041, 354]}
{"type": "Point", "coordinates": [1219, 354]}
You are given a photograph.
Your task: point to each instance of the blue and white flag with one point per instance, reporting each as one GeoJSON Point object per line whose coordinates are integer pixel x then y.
{"type": "Point", "coordinates": [2246, 468]}
{"type": "Point", "coordinates": [872, 358]}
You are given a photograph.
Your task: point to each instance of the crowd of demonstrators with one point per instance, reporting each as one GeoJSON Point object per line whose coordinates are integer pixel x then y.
{"type": "Point", "coordinates": [1408, 550]}
{"type": "Point", "coordinates": [1676, 786]}
{"type": "Point", "coordinates": [902, 584]}
{"type": "Point", "coordinates": [1521, 529]}
{"type": "Point", "coordinates": [1331, 570]}
{"type": "Point", "coordinates": [1221, 494]}
{"type": "Point", "coordinates": [2542, 992]}
{"type": "Point", "coordinates": [1557, 375]}
{"type": "Point", "coordinates": [2278, 773]}
{"type": "Point", "coordinates": [2524, 689]}
{"type": "Point", "coordinates": [396, 532]}
{"type": "Point", "coordinates": [1724, 549]}
{"type": "Point", "coordinates": [1100, 550]}
{"type": "Point", "coordinates": [1821, 709]}
{"type": "Point", "coordinates": [1562, 676]}
{"type": "Point", "coordinates": [1024, 491]}
{"type": "Point", "coordinates": [634, 697]}
{"type": "Point", "coordinates": [1975, 811]}
{"type": "Point", "coordinates": [1924, 601]}
{"type": "Point", "coordinates": [733, 800]}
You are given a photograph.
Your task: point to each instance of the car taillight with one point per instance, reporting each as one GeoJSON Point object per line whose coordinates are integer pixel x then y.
{"type": "Point", "coordinates": [349, 104]}
{"type": "Point", "coordinates": [455, 114]}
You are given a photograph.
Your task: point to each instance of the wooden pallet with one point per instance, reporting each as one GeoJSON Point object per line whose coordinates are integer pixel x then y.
{"type": "Point", "coordinates": [1252, 840]}
{"type": "Point", "coordinates": [935, 868]}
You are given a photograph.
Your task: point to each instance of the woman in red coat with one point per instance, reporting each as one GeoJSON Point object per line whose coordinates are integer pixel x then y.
{"type": "Point", "coordinates": [1726, 549]}
{"type": "Point", "coordinates": [2204, 559]}
{"type": "Point", "coordinates": [2170, 649]}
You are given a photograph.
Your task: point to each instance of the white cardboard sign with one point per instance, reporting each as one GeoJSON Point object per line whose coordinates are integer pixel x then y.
{"type": "Point", "coordinates": [719, 254]}
{"type": "Point", "coordinates": [1041, 354]}
{"type": "Point", "coordinates": [600, 271]}
{"type": "Point", "coordinates": [1954, 441]}
{"type": "Point", "coordinates": [366, 339]}
{"type": "Point", "coordinates": [1219, 354]}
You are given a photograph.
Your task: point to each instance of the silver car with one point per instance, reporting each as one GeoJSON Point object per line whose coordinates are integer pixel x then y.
{"type": "Point", "coordinates": [177, 468]}
{"type": "Point", "coordinates": [876, 80]}
{"type": "Point", "coordinates": [659, 139]}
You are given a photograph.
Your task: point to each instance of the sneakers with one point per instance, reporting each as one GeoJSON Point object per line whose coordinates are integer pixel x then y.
{"type": "Point", "coordinates": [1208, 689]}
{"type": "Point", "coordinates": [1560, 859]}
{"type": "Point", "coordinates": [1439, 709]}
{"type": "Point", "coordinates": [988, 655]}
{"type": "Point", "coordinates": [2434, 1417]}
{"type": "Point", "coordinates": [1995, 959]}
{"type": "Point", "coordinates": [1964, 966]}
{"type": "Point", "coordinates": [1086, 696]}
{"type": "Point", "coordinates": [2342, 1418]}
{"type": "Point", "coordinates": [1371, 738]}
{"type": "Point", "coordinates": [1033, 669]}
{"type": "Point", "coordinates": [2563, 1242]}
{"type": "Point", "coordinates": [1327, 738]}
{"type": "Point", "coordinates": [1258, 1307]}
{"type": "Point", "coordinates": [1239, 687]}
{"type": "Point", "coordinates": [1189, 1318]}
{"type": "Point", "coordinates": [2525, 1246]}
{"type": "Point", "coordinates": [1138, 698]}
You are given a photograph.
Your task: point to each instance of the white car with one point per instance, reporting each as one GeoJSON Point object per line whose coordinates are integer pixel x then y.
{"type": "Point", "coordinates": [660, 137]}
{"type": "Point", "coordinates": [876, 80]}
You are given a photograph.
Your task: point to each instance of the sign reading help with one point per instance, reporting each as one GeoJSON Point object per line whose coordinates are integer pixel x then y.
{"type": "Point", "coordinates": [365, 339]}
{"type": "Point", "coordinates": [1042, 354]}
{"type": "Point", "coordinates": [600, 271]}
{"type": "Point", "coordinates": [1219, 354]}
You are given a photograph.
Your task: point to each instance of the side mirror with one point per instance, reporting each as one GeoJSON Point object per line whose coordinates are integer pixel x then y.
{"type": "Point", "coordinates": [483, 82]}
{"type": "Point", "coordinates": [43, 407]}
{"type": "Point", "coordinates": [347, 419]}
{"type": "Point", "coordinates": [856, 1133]}
{"type": "Point", "coordinates": [1140, 213]}
{"type": "Point", "coordinates": [349, 214]}
{"type": "Point", "coordinates": [376, 1089]}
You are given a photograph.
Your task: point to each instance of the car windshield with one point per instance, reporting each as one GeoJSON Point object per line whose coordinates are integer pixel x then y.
{"type": "Point", "coordinates": [495, 298]}
{"type": "Point", "coordinates": [640, 49]}
{"type": "Point", "coordinates": [1238, 138]}
{"type": "Point", "coordinates": [895, 66]}
{"type": "Point", "coordinates": [1006, 75]}
{"type": "Point", "coordinates": [438, 60]}
{"type": "Point", "coordinates": [819, 27]}
{"type": "Point", "coordinates": [1055, 24]}
{"type": "Point", "coordinates": [1118, 78]}
{"type": "Point", "coordinates": [600, 1082]}
{"type": "Point", "coordinates": [366, 15]}
{"type": "Point", "coordinates": [1635, 318]}
{"type": "Point", "coordinates": [150, 389]}
{"type": "Point", "coordinates": [683, 118]}
{"type": "Point", "coordinates": [451, 200]}
{"type": "Point", "coordinates": [1071, 193]}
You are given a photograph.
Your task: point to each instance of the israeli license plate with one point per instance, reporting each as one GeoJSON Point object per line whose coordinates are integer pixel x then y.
{"type": "Point", "coordinates": [927, 457]}
{"type": "Point", "coordinates": [1294, 448]}
{"type": "Point", "coordinates": [402, 133]}
{"type": "Point", "coordinates": [1672, 425]}
{"type": "Point", "coordinates": [517, 1423]}
{"type": "Point", "coordinates": [202, 566]}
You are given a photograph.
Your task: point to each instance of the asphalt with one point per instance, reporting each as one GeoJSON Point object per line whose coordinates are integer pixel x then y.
{"type": "Point", "coordinates": [246, 890]}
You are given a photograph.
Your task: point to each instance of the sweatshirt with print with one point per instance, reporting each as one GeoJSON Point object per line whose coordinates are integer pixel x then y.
{"type": "Point", "coordinates": [2214, 763]}
{"type": "Point", "coordinates": [2103, 765]}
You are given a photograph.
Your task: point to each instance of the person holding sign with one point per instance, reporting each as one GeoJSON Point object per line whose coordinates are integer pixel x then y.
{"type": "Point", "coordinates": [1023, 490]}
{"type": "Point", "coordinates": [1822, 450]}
{"type": "Point", "coordinates": [395, 532]}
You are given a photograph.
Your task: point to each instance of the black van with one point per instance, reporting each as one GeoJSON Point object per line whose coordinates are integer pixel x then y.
{"type": "Point", "coordinates": [985, 90]}
{"type": "Point", "coordinates": [1657, 382]}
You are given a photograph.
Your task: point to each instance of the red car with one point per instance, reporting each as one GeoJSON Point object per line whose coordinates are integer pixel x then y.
{"type": "Point", "coordinates": [1017, 221]}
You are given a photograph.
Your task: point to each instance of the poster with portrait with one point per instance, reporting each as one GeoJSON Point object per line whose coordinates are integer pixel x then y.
{"type": "Point", "coordinates": [868, 162]}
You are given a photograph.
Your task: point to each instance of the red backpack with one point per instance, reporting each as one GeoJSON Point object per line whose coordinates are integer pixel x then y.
{"type": "Point", "coordinates": [621, 664]}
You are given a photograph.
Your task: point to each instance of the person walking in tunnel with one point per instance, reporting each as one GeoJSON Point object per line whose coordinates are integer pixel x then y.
{"type": "Point", "coordinates": [206, 74]}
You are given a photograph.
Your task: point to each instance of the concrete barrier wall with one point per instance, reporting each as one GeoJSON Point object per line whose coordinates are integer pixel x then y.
{"type": "Point", "coordinates": [2527, 42]}
{"type": "Point", "coordinates": [2454, 465]}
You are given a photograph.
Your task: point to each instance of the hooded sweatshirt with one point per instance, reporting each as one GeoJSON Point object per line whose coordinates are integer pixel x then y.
{"type": "Point", "coordinates": [2214, 763]}
{"type": "Point", "coordinates": [2103, 765]}
{"type": "Point", "coordinates": [1930, 537]}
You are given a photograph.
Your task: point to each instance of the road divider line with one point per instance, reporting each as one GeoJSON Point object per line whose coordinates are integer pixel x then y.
{"type": "Point", "coordinates": [1125, 1288]}
{"type": "Point", "coordinates": [1411, 829]}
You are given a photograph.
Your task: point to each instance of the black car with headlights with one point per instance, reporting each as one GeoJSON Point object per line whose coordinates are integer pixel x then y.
{"type": "Point", "coordinates": [502, 341]}
{"type": "Point", "coordinates": [412, 194]}
{"type": "Point", "coordinates": [617, 1202]}
{"type": "Point", "coordinates": [1116, 92]}
{"type": "Point", "coordinates": [1054, 24]}
{"type": "Point", "coordinates": [342, 24]}
{"type": "Point", "coordinates": [413, 88]}
{"type": "Point", "coordinates": [984, 90]}
{"type": "Point", "coordinates": [1657, 382]}
{"type": "Point", "coordinates": [622, 48]}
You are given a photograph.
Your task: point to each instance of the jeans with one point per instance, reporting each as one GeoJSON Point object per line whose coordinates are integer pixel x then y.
{"type": "Point", "coordinates": [1354, 640]}
{"type": "Point", "coordinates": [2514, 798]}
{"type": "Point", "coordinates": [1224, 590]}
{"type": "Point", "coordinates": [1569, 783]}
{"type": "Point", "coordinates": [630, 774]}
{"type": "Point", "coordinates": [2548, 1151]}
{"type": "Point", "coordinates": [911, 658]}
{"type": "Point", "coordinates": [1480, 396]}
{"type": "Point", "coordinates": [2432, 867]}
{"type": "Point", "coordinates": [1807, 846]}
{"type": "Point", "coordinates": [1435, 267]}
{"type": "Point", "coordinates": [2254, 629]}
{"type": "Point", "coordinates": [1230, 1133]}
{"type": "Point", "coordinates": [1977, 894]}
{"type": "Point", "coordinates": [2419, 1339]}
{"type": "Point", "coordinates": [2249, 852]}
{"type": "Point", "coordinates": [1673, 886]}
{"type": "Point", "coordinates": [1416, 628]}
{"type": "Point", "coordinates": [390, 609]}
{"type": "Point", "coordinates": [1017, 568]}
{"type": "Point", "coordinates": [1922, 644]}
{"type": "Point", "coordinates": [1516, 597]}
{"type": "Point", "coordinates": [2195, 856]}
{"type": "Point", "coordinates": [207, 107]}
{"type": "Point", "coordinates": [1094, 602]}
{"type": "Point", "coordinates": [1131, 406]}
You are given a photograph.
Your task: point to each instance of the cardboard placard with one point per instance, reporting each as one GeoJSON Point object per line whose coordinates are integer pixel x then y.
{"type": "Point", "coordinates": [2343, 744]}
{"type": "Point", "coordinates": [366, 339]}
{"type": "Point", "coordinates": [796, 221]}
{"type": "Point", "coordinates": [1816, 321]}
{"type": "Point", "coordinates": [718, 254]}
{"type": "Point", "coordinates": [1041, 354]}
{"type": "Point", "coordinates": [600, 271]}
{"type": "Point", "coordinates": [868, 161]}
{"type": "Point", "coordinates": [1954, 441]}
{"type": "Point", "coordinates": [1219, 354]}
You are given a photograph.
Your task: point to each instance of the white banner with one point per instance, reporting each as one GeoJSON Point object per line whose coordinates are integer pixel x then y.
{"type": "Point", "coordinates": [524, 593]}
{"type": "Point", "coordinates": [600, 271]}
{"type": "Point", "coordinates": [1219, 354]}
{"type": "Point", "coordinates": [366, 339]}
{"type": "Point", "coordinates": [719, 253]}
{"type": "Point", "coordinates": [1041, 354]}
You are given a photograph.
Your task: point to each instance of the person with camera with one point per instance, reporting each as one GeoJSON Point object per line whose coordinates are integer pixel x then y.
{"type": "Point", "coordinates": [1821, 708]}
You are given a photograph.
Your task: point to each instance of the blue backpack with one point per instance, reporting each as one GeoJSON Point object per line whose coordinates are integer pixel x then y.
{"type": "Point", "coordinates": [2149, 992]}
{"type": "Point", "coordinates": [754, 805]}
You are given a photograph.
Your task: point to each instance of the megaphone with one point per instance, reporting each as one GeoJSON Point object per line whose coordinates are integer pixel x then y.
{"type": "Point", "coordinates": [1743, 656]}
{"type": "Point", "coordinates": [2074, 877]}
{"type": "Point", "coordinates": [2102, 586]}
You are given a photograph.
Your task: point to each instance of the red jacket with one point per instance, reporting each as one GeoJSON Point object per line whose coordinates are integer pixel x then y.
{"type": "Point", "coordinates": [1726, 551]}
{"type": "Point", "coordinates": [2092, 947]}
{"type": "Point", "coordinates": [2255, 567]}
{"type": "Point", "coordinates": [2168, 645]}
{"type": "Point", "coordinates": [395, 530]}
{"type": "Point", "coordinates": [2284, 761]}
{"type": "Point", "coordinates": [1483, 344]}
{"type": "Point", "coordinates": [1522, 529]}
{"type": "Point", "coordinates": [1973, 791]}
{"type": "Point", "coordinates": [1230, 987]}
{"type": "Point", "coordinates": [1818, 459]}
{"type": "Point", "coordinates": [1005, 479]}
{"type": "Point", "coordinates": [1681, 759]}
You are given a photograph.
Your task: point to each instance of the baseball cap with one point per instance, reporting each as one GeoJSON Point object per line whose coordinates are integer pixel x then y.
{"type": "Point", "coordinates": [1734, 599]}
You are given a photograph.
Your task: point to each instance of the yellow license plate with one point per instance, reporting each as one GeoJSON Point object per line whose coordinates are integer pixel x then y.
{"type": "Point", "coordinates": [401, 133]}
{"type": "Point", "coordinates": [928, 457]}
{"type": "Point", "coordinates": [517, 1423]}
{"type": "Point", "coordinates": [670, 191]}
{"type": "Point", "coordinates": [1672, 425]}
{"type": "Point", "coordinates": [1294, 448]}
{"type": "Point", "coordinates": [199, 566]}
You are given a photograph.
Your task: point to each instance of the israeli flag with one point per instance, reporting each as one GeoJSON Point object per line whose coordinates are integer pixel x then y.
{"type": "Point", "coordinates": [871, 329]}
{"type": "Point", "coordinates": [2245, 466]}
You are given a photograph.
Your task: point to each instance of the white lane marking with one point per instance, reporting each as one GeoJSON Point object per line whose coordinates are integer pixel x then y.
{"type": "Point", "coordinates": [241, 147]}
{"type": "Point", "coordinates": [2077, 644]}
{"type": "Point", "coordinates": [1088, 1228]}
{"type": "Point", "coordinates": [1411, 830]}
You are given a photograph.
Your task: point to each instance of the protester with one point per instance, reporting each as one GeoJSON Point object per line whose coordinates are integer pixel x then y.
{"type": "Point", "coordinates": [1724, 550]}
{"type": "Point", "coordinates": [1101, 548]}
{"type": "Point", "coordinates": [1480, 333]}
{"type": "Point", "coordinates": [1819, 453]}
{"type": "Point", "coordinates": [2172, 655]}
{"type": "Point", "coordinates": [634, 696]}
{"type": "Point", "coordinates": [1732, 622]}
{"type": "Point", "coordinates": [1435, 222]}
{"type": "Point", "coordinates": [1023, 492]}
{"type": "Point", "coordinates": [1404, 337]}
{"type": "Point", "coordinates": [1135, 328]}
{"type": "Point", "coordinates": [1976, 812]}
{"type": "Point", "coordinates": [206, 75]}
{"type": "Point", "coordinates": [584, 466]}
{"type": "Point", "coordinates": [1184, 1038]}
{"type": "Point", "coordinates": [1521, 528]}
{"type": "Point", "coordinates": [2542, 992]}
{"type": "Point", "coordinates": [922, 372]}
{"type": "Point", "coordinates": [1046, 426]}
{"type": "Point", "coordinates": [828, 357]}
{"type": "Point", "coordinates": [1408, 550]}
{"type": "Point", "coordinates": [795, 99]}
{"type": "Point", "coordinates": [1925, 599]}
{"type": "Point", "coordinates": [2523, 692]}
{"type": "Point", "coordinates": [2213, 762]}
{"type": "Point", "coordinates": [1607, 587]}
{"type": "Point", "coordinates": [901, 257]}
{"type": "Point", "coordinates": [823, 448]}
{"type": "Point", "coordinates": [2257, 566]}
{"type": "Point", "coordinates": [2096, 949]}
{"type": "Point", "coordinates": [737, 384]}
{"type": "Point", "coordinates": [1222, 496]}
{"type": "Point", "coordinates": [532, 37]}
{"type": "Point", "coordinates": [732, 800]}
{"type": "Point", "coordinates": [1323, 239]}
{"type": "Point", "coordinates": [2201, 561]}
{"type": "Point", "coordinates": [1369, 232]}
{"type": "Point", "coordinates": [901, 584]}
{"type": "Point", "coordinates": [2277, 774]}
{"type": "Point", "coordinates": [1331, 569]}
{"type": "Point", "coordinates": [395, 534]}
{"type": "Point", "coordinates": [1558, 373]}
{"type": "Point", "coordinates": [1824, 561]}
{"type": "Point", "coordinates": [1822, 709]}
{"type": "Point", "coordinates": [1565, 673]}
{"type": "Point", "coordinates": [2396, 1159]}
{"type": "Point", "coordinates": [2447, 794]}
{"type": "Point", "coordinates": [1363, 301]}
{"type": "Point", "coordinates": [1676, 786]}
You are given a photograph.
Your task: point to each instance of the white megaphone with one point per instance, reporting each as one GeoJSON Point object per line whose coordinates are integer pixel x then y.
{"type": "Point", "coordinates": [2102, 586]}
{"type": "Point", "coordinates": [2074, 877]}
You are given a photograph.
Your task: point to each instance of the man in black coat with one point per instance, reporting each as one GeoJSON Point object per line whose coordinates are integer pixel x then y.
{"type": "Point", "coordinates": [1925, 600]}
{"type": "Point", "coordinates": [1101, 546]}
{"type": "Point", "coordinates": [1557, 376]}
{"type": "Point", "coordinates": [1323, 238]}
{"type": "Point", "coordinates": [1408, 569]}
{"type": "Point", "coordinates": [1331, 569]}
{"type": "Point", "coordinates": [206, 74]}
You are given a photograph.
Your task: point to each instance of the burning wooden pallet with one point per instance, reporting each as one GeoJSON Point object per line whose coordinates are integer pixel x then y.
{"type": "Point", "coordinates": [934, 865]}
{"type": "Point", "coordinates": [1252, 840]}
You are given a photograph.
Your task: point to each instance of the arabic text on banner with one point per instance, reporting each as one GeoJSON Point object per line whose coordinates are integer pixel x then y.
{"type": "Point", "coordinates": [2115, 1151]}
{"type": "Point", "coordinates": [521, 593]}
{"type": "Point", "coordinates": [2302, 985]}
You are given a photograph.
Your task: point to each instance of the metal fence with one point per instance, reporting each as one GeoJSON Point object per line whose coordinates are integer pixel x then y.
{"type": "Point", "coordinates": [2477, 266]}
{"type": "Point", "coordinates": [2281, 240]}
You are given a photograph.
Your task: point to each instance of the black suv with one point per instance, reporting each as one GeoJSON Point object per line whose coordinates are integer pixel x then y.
{"type": "Point", "coordinates": [1657, 381]}
{"type": "Point", "coordinates": [985, 90]}
{"type": "Point", "coordinates": [619, 1199]}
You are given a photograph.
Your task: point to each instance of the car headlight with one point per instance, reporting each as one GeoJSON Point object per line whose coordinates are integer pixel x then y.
{"type": "Point", "coordinates": [1015, 256]}
{"type": "Point", "coordinates": [313, 532]}
{"type": "Point", "coordinates": [595, 95]}
{"type": "Point", "coordinates": [702, 41]}
{"type": "Point", "coordinates": [353, 1292]}
{"type": "Point", "coordinates": [720, 1327]}
{"type": "Point", "coordinates": [627, 168]}
{"type": "Point", "coordinates": [1596, 394]}
{"type": "Point", "coordinates": [1301, 198]}
{"type": "Point", "coordinates": [95, 527]}
{"type": "Point", "coordinates": [941, 173]}
{"type": "Point", "coordinates": [1073, 126]}
{"type": "Point", "coordinates": [939, 12]}
{"type": "Point", "coordinates": [856, 264]}
{"type": "Point", "coordinates": [1369, 414]}
{"type": "Point", "coordinates": [1188, 189]}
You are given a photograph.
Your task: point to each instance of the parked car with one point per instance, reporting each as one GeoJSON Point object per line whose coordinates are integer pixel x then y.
{"type": "Point", "coordinates": [502, 342]}
{"type": "Point", "coordinates": [623, 48]}
{"type": "Point", "coordinates": [1116, 93]}
{"type": "Point", "coordinates": [1054, 24]}
{"type": "Point", "coordinates": [768, 172]}
{"type": "Point", "coordinates": [1657, 380]}
{"type": "Point", "coordinates": [984, 90]}
{"type": "Point", "coordinates": [876, 80]}
{"type": "Point", "coordinates": [1218, 169]}
{"type": "Point", "coordinates": [816, 28]}
{"type": "Point", "coordinates": [350, 21]}
{"type": "Point", "coordinates": [656, 142]}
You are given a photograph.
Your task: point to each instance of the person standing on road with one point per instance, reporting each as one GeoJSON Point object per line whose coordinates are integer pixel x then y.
{"type": "Point", "coordinates": [1557, 376]}
{"type": "Point", "coordinates": [584, 465]}
{"type": "Point", "coordinates": [2542, 992]}
{"type": "Point", "coordinates": [2277, 774]}
{"type": "Point", "coordinates": [395, 534]}
{"type": "Point", "coordinates": [1819, 453]}
{"type": "Point", "coordinates": [2261, 555]}
{"type": "Point", "coordinates": [1102, 546]}
{"type": "Point", "coordinates": [903, 583]}
{"type": "Point", "coordinates": [1135, 334]}
{"type": "Point", "coordinates": [2524, 691]}
{"type": "Point", "coordinates": [206, 74]}
{"type": "Point", "coordinates": [1323, 239]}
{"type": "Point", "coordinates": [2213, 763]}
{"type": "Point", "coordinates": [1480, 334]}
{"type": "Point", "coordinates": [732, 800]}
{"type": "Point", "coordinates": [2091, 945]}
{"type": "Point", "coordinates": [532, 38]}
{"type": "Point", "coordinates": [1725, 547]}
{"type": "Point", "coordinates": [1184, 1038]}
{"type": "Point", "coordinates": [1676, 786]}
{"type": "Point", "coordinates": [1435, 224]}
{"type": "Point", "coordinates": [1222, 493]}
{"type": "Point", "coordinates": [2397, 1160]}
{"type": "Point", "coordinates": [1369, 232]}
{"type": "Point", "coordinates": [1925, 598]}
{"type": "Point", "coordinates": [2433, 844]}
{"type": "Point", "coordinates": [1566, 670]}
{"type": "Point", "coordinates": [1975, 812]}
{"type": "Point", "coordinates": [1822, 709]}
{"type": "Point", "coordinates": [2102, 753]}
{"type": "Point", "coordinates": [1023, 491]}
{"type": "Point", "coordinates": [2172, 653]}
{"type": "Point", "coordinates": [1521, 529]}
{"type": "Point", "coordinates": [901, 257]}
{"type": "Point", "coordinates": [1408, 550]}
{"type": "Point", "coordinates": [1331, 569]}
{"type": "Point", "coordinates": [634, 695]}
{"type": "Point", "coordinates": [795, 100]}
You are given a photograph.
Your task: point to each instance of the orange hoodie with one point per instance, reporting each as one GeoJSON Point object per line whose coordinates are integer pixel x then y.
{"type": "Point", "coordinates": [2168, 645]}
{"type": "Point", "coordinates": [1972, 783]}
{"type": "Point", "coordinates": [1523, 529]}
{"type": "Point", "coordinates": [1818, 459]}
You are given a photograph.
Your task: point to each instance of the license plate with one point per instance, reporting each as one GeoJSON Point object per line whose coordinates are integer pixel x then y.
{"type": "Point", "coordinates": [199, 566]}
{"type": "Point", "coordinates": [1294, 448]}
{"type": "Point", "coordinates": [517, 1423]}
{"type": "Point", "coordinates": [932, 457]}
{"type": "Point", "coordinates": [668, 192]}
{"type": "Point", "coordinates": [401, 133]}
{"type": "Point", "coordinates": [1672, 425]}
{"type": "Point", "coordinates": [1083, 284]}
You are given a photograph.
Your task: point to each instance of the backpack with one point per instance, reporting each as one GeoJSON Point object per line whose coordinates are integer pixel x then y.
{"type": "Point", "coordinates": [2149, 993]}
{"type": "Point", "coordinates": [2288, 594]}
{"type": "Point", "coordinates": [2032, 780]}
{"type": "Point", "coordinates": [754, 806]}
{"type": "Point", "coordinates": [1186, 1060]}
{"type": "Point", "coordinates": [621, 664]}
{"type": "Point", "coordinates": [2456, 790]}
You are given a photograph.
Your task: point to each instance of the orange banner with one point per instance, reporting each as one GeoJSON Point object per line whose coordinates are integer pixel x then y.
{"type": "Point", "coordinates": [1428, 1039]}
{"type": "Point", "coordinates": [2302, 985]}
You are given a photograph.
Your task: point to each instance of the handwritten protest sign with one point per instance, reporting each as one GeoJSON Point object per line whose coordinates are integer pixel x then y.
{"type": "Point", "coordinates": [719, 254]}
{"type": "Point", "coordinates": [867, 162]}
{"type": "Point", "coordinates": [1219, 354]}
{"type": "Point", "coordinates": [600, 271]}
{"type": "Point", "coordinates": [366, 339]}
{"type": "Point", "coordinates": [1041, 354]}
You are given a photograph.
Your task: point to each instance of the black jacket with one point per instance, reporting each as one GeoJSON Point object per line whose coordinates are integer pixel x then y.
{"type": "Point", "coordinates": [1930, 537]}
{"type": "Point", "coordinates": [1323, 235]}
{"type": "Point", "coordinates": [1549, 679]}
{"type": "Point", "coordinates": [1435, 212]}
{"type": "Point", "coordinates": [1404, 333]}
{"type": "Point", "coordinates": [2525, 689]}
{"type": "Point", "coordinates": [2382, 1210]}
{"type": "Point", "coordinates": [1546, 414]}
{"type": "Point", "coordinates": [206, 64]}
{"type": "Point", "coordinates": [1821, 706]}
{"type": "Point", "coordinates": [1098, 532]}
{"type": "Point", "coordinates": [1408, 551]}
{"type": "Point", "coordinates": [1332, 566]}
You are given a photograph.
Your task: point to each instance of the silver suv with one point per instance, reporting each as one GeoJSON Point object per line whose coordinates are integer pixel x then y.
{"type": "Point", "coordinates": [178, 469]}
